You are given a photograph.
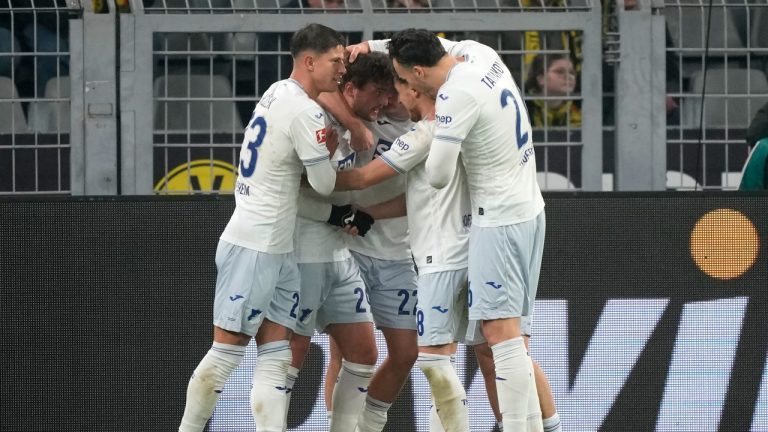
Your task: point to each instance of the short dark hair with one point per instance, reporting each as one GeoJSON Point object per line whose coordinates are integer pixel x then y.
{"type": "Point", "coordinates": [315, 37]}
{"type": "Point", "coordinates": [416, 47]}
{"type": "Point", "coordinates": [372, 67]}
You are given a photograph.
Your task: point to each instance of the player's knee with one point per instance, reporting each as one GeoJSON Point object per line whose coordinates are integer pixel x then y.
{"type": "Point", "coordinates": [405, 356]}
{"type": "Point", "coordinates": [366, 356]}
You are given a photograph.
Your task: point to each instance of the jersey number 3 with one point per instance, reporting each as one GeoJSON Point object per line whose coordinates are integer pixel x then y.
{"type": "Point", "coordinates": [506, 95]}
{"type": "Point", "coordinates": [246, 170]}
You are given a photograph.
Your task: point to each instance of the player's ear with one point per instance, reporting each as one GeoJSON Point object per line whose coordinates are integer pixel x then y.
{"type": "Point", "coordinates": [309, 61]}
{"type": "Point", "coordinates": [419, 72]}
{"type": "Point", "coordinates": [348, 89]}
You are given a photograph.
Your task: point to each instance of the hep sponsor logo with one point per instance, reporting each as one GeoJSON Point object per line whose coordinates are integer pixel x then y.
{"type": "Point", "coordinates": [402, 144]}
{"type": "Point", "coordinates": [443, 120]}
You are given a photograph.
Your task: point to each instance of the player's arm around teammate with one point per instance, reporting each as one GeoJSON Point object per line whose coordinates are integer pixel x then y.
{"type": "Point", "coordinates": [384, 255]}
{"type": "Point", "coordinates": [332, 297]}
{"type": "Point", "coordinates": [440, 326]}
{"type": "Point", "coordinates": [479, 114]}
{"type": "Point", "coordinates": [257, 275]}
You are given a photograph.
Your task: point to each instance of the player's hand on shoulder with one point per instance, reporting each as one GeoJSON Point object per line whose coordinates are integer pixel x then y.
{"type": "Point", "coordinates": [331, 139]}
{"type": "Point", "coordinates": [361, 138]}
{"type": "Point", "coordinates": [355, 50]}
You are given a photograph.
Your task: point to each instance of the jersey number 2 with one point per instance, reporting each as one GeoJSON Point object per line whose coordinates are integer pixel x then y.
{"type": "Point", "coordinates": [506, 95]}
{"type": "Point", "coordinates": [253, 145]}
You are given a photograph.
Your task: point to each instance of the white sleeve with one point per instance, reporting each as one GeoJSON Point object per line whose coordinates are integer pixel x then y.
{"type": "Point", "coordinates": [307, 132]}
{"type": "Point", "coordinates": [447, 44]}
{"type": "Point", "coordinates": [322, 178]}
{"type": "Point", "coordinates": [456, 111]}
{"type": "Point", "coordinates": [441, 164]}
{"type": "Point", "coordinates": [314, 209]}
{"type": "Point", "coordinates": [410, 149]}
{"type": "Point", "coordinates": [381, 45]}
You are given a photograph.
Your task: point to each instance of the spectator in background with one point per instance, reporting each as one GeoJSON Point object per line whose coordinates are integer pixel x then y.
{"type": "Point", "coordinates": [553, 77]}
{"type": "Point", "coordinates": [537, 41]}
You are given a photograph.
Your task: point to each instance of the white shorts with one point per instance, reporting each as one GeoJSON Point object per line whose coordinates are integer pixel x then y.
{"type": "Point", "coordinates": [441, 313]}
{"type": "Point", "coordinates": [252, 285]}
{"type": "Point", "coordinates": [331, 293]}
{"type": "Point", "coordinates": [504, 267]}
{"type": "Point", "coordinates": [391, 290]}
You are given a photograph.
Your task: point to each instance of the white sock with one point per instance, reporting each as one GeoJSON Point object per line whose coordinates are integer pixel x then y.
{"type": "Point", "coordinates": [552, 424]}
{"type": "Point", "coordinates": [534, 408]}
{"type": "Point", "coordinates": [268, 401]}
{"type": "Point", "coordinates": [514, 377]}
{"type": "Point", "coordinates": [290, 380]}
{"type": "Point", "coordinates": [500, 425]}
{"type": "Point", "coordinates": [435, 425]}
{"type": "Point", "coordinates": [447, 391]}
{"type": "Point", "coordinates": [349, 395]}
{"type": "Point", "coordinates": [329, 416]}
{"type": "Point", "coordinates": [373, 417]}
{"type": "Point", "coordinates": [206, 384]}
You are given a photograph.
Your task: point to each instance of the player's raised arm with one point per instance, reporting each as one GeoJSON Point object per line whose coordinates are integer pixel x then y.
{"type": "Point", "coordinates": [360, 178]}
{"type": "Point", "coordinates": [405, 153]}
{"type": "Point", "coordinates": [382, 45]}
{"type": "Point", "coordinates": [361, 138]}
{"type": "Point", "coordinates": [309, 137]}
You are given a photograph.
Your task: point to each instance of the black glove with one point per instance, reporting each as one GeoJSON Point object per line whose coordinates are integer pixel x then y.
{"type": "Point", "coordinates": [341, 216]}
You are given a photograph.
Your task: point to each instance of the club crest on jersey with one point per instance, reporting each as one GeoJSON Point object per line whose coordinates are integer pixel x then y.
{"type": "Point", "coordinates": [320, 136]}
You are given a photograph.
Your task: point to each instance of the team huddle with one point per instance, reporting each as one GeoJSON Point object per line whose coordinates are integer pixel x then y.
{"type": "Point", "coordinates": [389, 183]}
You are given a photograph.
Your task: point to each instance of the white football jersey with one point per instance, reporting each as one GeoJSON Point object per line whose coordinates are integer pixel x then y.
{"type": "Point", "coordinates": [285, 133]}
{"type": "Point", "coordinates": [320, 242]}
{"type": "Point", "coordinates": [438, 219]}
{"type": "Point", "coordinates": [479, 107]}
{"type": "Point", "coordinates": [388, 238]}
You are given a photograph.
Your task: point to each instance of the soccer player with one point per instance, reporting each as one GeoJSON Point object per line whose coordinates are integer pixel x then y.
{"type": "Point", "coordinates": [385, 262]}
{"type": "Point", "coordinates": [333, 297]}
{"type": "Point", "coordinates": [480, 114]}
{"type": "Point", "coordinates": [438, 222]}
{"type": "Point", "coordinates": [257, 278]}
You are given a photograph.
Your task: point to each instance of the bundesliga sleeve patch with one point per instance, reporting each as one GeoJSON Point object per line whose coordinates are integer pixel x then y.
{"type": "Point", "coordinates": [320, 136]}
